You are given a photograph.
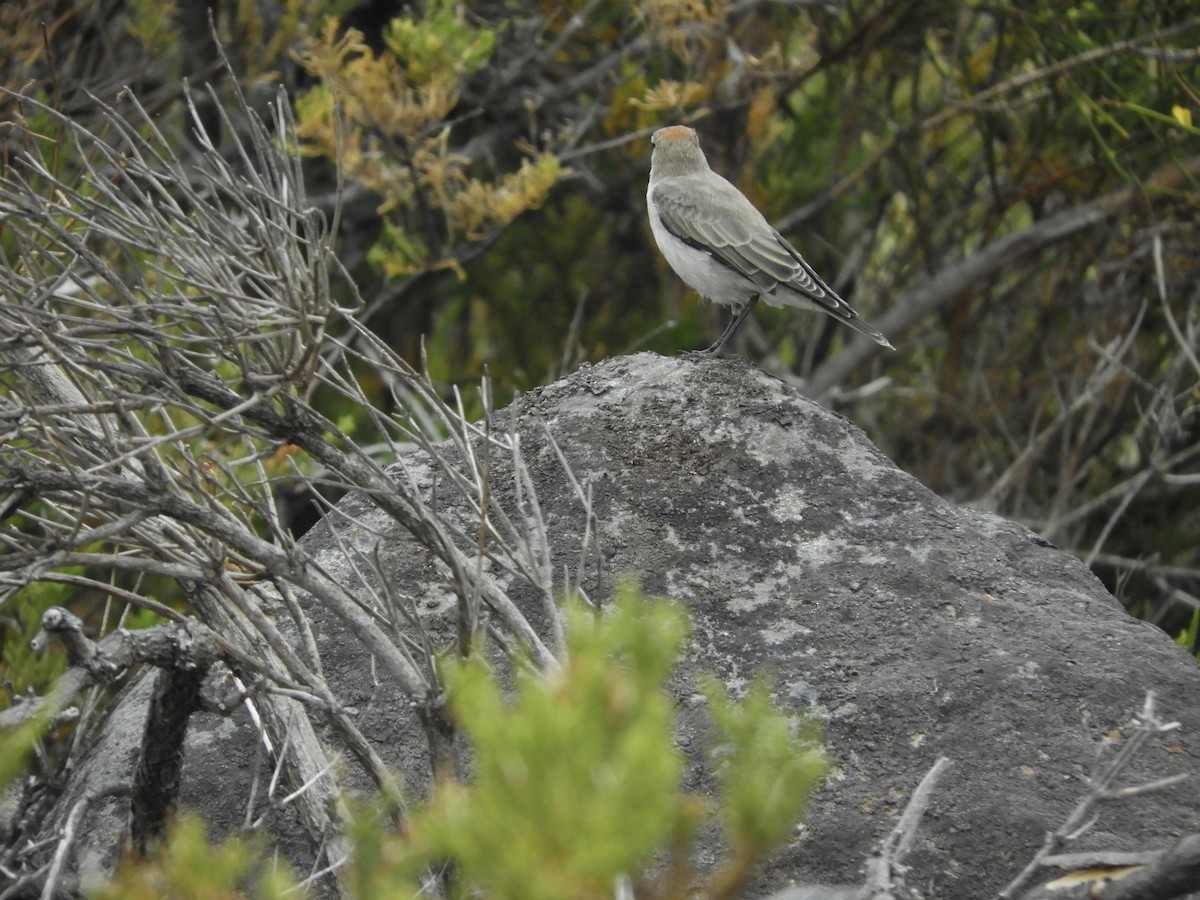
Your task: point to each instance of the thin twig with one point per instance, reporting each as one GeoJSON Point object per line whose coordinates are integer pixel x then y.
{"type": "Point", "coordinates": [1101, 789]}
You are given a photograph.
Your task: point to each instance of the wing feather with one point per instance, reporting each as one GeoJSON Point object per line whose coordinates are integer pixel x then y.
{"type": "Point", "coordinates": [715, 217]}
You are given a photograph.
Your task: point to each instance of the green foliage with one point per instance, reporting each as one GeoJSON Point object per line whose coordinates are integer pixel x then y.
{"type": "Point", "coordinates": [384, 118]}
{"type": "Point", "coordinates": [576, 780]}
{"type": "Point", "coordinates": [263, 42]}
{"type": "Point", "coordinates": [153, 24]}
{"type": "Point", "coordinates": [20, 665]}
{"type": "Point", "coordinates": [16, 747]}
{"type": "Point", "coordinates": [768, 766]}
{"type": "Point", "coordinates": [1187, 637]}
{"type": "Point", "coordinates": [439, 43]}
{"type": "Point", "coordinates": [188, 866]}
{"type": "Point", "coordinates": [582, 769]}
{"type": "Point", "coordinates": [273, 38]}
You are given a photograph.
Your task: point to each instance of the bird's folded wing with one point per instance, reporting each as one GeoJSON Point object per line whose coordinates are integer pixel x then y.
{"type": "Point", "coordinates": [724, 224]}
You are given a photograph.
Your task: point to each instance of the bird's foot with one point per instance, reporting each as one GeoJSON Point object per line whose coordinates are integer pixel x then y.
{"type": "Point", "coordinates": [713, 352]}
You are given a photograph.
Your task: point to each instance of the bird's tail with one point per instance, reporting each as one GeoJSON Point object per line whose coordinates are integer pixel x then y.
{"type": "Point", "coordinates": [853, 320]}
{"type": "Point", "coordinates": [826, 301]}
{"type": "Point", "coordinates": [808, 290]}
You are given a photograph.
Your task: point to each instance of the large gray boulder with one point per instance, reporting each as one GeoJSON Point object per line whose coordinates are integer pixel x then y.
{"type": "Point", "coordinates": [912, 628]}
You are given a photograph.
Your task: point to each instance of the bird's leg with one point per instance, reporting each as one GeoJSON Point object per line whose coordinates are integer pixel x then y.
{"type": "Point", "coordinates": [719, 347]}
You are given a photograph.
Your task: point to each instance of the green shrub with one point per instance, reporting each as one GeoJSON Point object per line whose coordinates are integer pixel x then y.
{"type": "Point", "coordinates": [577, 781]}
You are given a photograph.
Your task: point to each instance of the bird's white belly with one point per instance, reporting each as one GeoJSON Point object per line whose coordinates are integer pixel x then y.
{"type": "Point", "coordinates": [700, 271]}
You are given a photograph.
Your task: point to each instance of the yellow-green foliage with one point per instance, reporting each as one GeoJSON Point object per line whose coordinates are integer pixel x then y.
{"type": "Point", "coordinates": [16, 745]}
{"type": "Point", "coordinates": [261, 41]}
{"type": "Point", "coordinates": [576, 780]}
{"type": "Point", "coordinates": [392, 137]}
{"type": "Point", "coordinates": [272, 39]}
{"type": "Point", "coordinates": [678, 21]}
{"type": "Point", "coordinates": [440, 44]}
{"type": "Point", "coordinates": [768, 767]}
{"type": "Point", "coordinates": [1187, 637]}
{"type": "Point", "coordinates": [188, 866]}
{"type": "Point", "coordinates": [26, 669]}
{"type": "Point", "coordinates": [20, 665]}
{"type": "Point", "coordinates": [154, 25]}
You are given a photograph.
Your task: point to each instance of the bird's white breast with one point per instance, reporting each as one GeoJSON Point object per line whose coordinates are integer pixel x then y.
{"type": "Point", "coordinates": [709, 278]}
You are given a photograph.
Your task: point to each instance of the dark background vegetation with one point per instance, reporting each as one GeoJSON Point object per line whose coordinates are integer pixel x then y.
{"type": "Point", "coordinates": [1008, 190]}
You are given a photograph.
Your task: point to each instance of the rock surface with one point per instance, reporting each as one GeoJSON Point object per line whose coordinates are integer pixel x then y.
{"type": "Point", "coordinates": [914, 629]}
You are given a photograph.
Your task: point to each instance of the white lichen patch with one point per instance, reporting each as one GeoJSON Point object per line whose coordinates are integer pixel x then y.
{"type": "Point", "coordinates": [768, 444]}
{"type": "Point", "coordinates": [789, 506]}
{"type": "Point", "coordinates": [780, 632]}
{"type": "Point", "coordinates": [1028, 670]}
{"type": "Point", "coordinates": [821, 550]}
{"type": "Point", "coordinates": [920, 554]}
{"type": "Point", "coordinates": [859, 459]}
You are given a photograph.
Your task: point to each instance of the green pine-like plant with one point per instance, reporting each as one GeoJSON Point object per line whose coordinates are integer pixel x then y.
{"type": "Point", "coordinates": [577, 781]}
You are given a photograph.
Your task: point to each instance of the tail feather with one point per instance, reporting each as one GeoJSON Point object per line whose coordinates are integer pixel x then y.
{"type": "Point", "coordinates": [860, 326]}
{"type": "Point", "coordinates": [829, 303]}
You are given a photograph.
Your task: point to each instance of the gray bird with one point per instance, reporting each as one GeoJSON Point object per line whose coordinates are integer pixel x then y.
{"type": "Point", "coordinates": [724, 249]}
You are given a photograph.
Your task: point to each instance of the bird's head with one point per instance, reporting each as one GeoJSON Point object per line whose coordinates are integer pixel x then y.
{"type": "Point", "coordinates": [676, 152]}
